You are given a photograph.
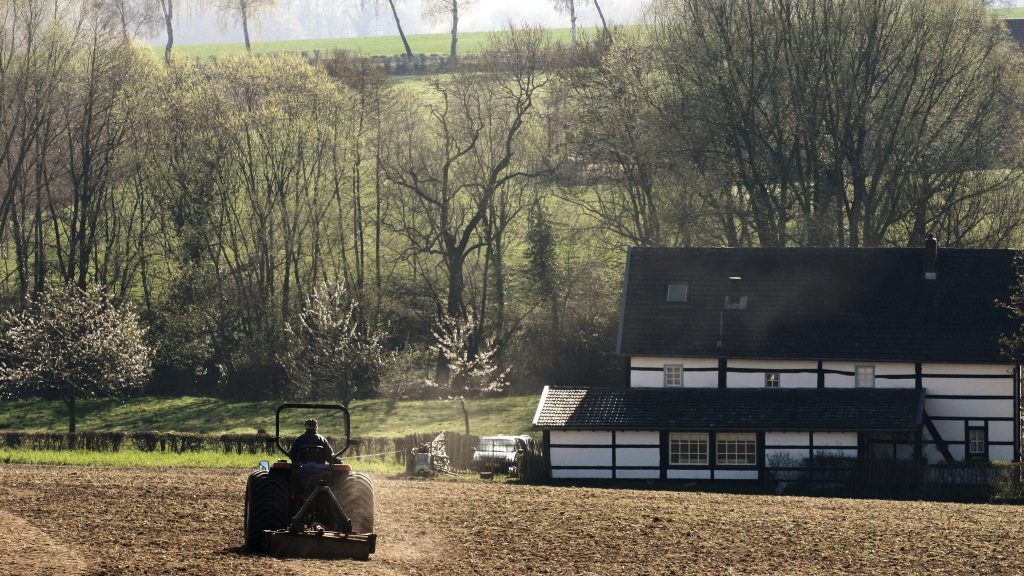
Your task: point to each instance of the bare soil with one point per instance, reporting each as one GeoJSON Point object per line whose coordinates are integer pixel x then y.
{"type": "Point", "coordinates": [57, 520]}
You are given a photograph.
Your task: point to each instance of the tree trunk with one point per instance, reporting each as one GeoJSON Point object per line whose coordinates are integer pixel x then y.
{"type": "Point", "coordinates": [454, 307]}
{"type": "Point", "coordinates": [70, 401]}
{"type": "Point", "coordinates": [604, 23]}
{"type": "Point", "coordinates": [572, 17]}
{"type": "Point", "coordinates": [401, 33]}
{"type": "Point", "coordinates": [168, 7]}
{"type": "Point", "coordinates": [245, 29]}
{"type": "Point", "coordinates": [454, 54]}
{"type": "Point", "coordinates": [40, 253]}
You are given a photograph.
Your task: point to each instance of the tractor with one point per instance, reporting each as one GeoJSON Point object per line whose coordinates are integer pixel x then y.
{"type": "Point", "coordinates": [312, 506]}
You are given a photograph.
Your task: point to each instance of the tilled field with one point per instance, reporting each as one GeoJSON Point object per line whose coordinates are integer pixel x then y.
{"type": "Point", "coordinates": [56, 520]}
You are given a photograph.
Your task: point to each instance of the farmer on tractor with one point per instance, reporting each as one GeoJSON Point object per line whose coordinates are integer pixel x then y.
{"type": "Point", "coordinates": [311, 446]}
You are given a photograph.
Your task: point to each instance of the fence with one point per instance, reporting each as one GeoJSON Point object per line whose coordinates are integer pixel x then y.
{"type": "Point", "coordinates": [458, 448]}
{"type": "Point", "coordinates": [900, 479]}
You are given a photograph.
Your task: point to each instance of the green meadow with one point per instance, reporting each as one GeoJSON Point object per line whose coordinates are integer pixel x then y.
{"type": "Point", "coordinates": [469, 43]}
{"type": "Point", "coordinates": [378, 418]}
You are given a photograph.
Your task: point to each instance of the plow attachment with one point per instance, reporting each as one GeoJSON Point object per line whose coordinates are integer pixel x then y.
{"type": "Point", "coordinates": [319, 544]}
{"type": "Point", "coordinates": [314, 541]}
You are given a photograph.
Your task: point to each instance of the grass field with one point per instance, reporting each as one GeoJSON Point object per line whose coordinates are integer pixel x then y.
{"type": "Point", "coordinates": [1010, 12]}
{"type": "Point", "coordinates": [385, 418]}
{"type": "Point", "coordinates": [129, 458]}
{"type": "Point", "coordinates": [469, 43]}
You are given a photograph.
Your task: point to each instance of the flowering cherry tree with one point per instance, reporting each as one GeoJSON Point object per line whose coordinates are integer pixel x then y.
{"type": "Point", "coordinates": [336, 350]}
{"type": "Point", "coordinates": [472, 362]}
{"type": "Point", "coordinates": [74, 344]}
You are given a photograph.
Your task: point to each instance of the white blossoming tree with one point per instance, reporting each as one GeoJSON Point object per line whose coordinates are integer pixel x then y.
{"type": "Point", "coordinates": [472, 362]}
{"type": "Point", "coordinates": [73, 344]}
{"type": "Point", "coordinates": [336, 350]}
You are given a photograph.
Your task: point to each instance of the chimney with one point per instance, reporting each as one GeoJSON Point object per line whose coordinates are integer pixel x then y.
{"type": "Point", "coordinates": [931, 258]}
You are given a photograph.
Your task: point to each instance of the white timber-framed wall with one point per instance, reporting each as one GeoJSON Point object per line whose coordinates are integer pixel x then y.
{"type": "Point", "coordinates": [960, 400]}
{"type": "Point", "coordinates": [958, 396]}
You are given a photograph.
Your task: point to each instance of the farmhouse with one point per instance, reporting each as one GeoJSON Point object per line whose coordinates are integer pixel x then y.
{"type": "Point", "coordinates": [740, 360]}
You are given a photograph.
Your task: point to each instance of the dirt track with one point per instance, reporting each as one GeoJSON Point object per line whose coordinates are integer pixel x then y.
{"type": "Point", "coordinates": [57, 520]}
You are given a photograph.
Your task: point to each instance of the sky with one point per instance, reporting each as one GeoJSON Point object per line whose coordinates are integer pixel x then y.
{"type": "Point", "coordinates": [297, 19]}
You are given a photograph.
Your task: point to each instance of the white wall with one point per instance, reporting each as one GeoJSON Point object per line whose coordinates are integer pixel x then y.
{"type": "Point", "coordinates": [835, 439]}
{"type": "Point", "coordinates": [582, 474]}
{"type": "Point", "coordinates": [808, 379]}
{"type": "Point", "coordinates": [581, 437]}
{"type": "Point", "coordinates": [697, 372]}
{"type": "Point", "coordinates": [724, 474]}
{"type": "Point", "coordinates": [951, 415]}
{"type": "Point", "coordinates": [600, 457]}
{"type": "Point", "coordinates": [634, 437]}
{"type": "Point", "coordinates": [996, 381]}
{"type": "Point", "coordinates": [583, 449]}
{"type": "Point", "coordinates": [638, 456]}
{"type": "Point", "coordinates": [688, 474]}
{"type": "Point", "coordinates": [903, 369]}
{"type": "Point", "coordinates": [1002, 431]}
{"type": "Point", "coordinates": [661, 361]}
{"type": "Point", "coordinates": [969, 408]}
{"type": "Point", "coordinates": [786, 439]}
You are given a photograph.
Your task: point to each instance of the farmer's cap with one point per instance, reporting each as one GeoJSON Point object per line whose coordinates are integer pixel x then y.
{"type": "Point", "coordinates": [311, 424]}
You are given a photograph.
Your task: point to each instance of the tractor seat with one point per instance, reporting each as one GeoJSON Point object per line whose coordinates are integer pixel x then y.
{"type": "Point", "coordinates": [316, 454]}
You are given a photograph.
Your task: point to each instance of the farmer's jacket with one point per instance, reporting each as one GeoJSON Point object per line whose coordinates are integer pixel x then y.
{"type": "Point", "coordinates": [310, 438]}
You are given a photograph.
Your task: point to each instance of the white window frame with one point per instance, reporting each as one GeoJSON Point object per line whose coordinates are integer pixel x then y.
{"type": "Point", "coordinates": [665, 379]}
{"type": "Point", "coordinates": [857, 373]}
{"type": "Point", "coordinates": [735, 449]}
{"type": "Point", "coordinates": [696, 446]}
{"type": "Point", "coordinates": [971, 442]}
{"type": "Point", "coordinates": [684, 286]}
{"type": "Point", "coordinates": [777, 380]}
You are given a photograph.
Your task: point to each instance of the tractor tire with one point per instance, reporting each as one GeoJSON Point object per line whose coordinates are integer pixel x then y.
{"type": "Point", "coordinates": [266, 507]}
{"type": "Point", "coordinates": [355, 494]}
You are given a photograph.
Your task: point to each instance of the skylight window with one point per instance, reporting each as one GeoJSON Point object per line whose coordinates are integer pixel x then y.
{"type": "Point", "coordinates": [677, 292]}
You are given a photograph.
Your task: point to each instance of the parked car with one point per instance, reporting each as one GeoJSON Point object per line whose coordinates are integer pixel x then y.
{"type": "Point", "coordinates": [498, 453]}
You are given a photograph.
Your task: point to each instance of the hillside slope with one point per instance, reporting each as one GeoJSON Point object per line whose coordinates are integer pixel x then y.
{"type": "Point", "coordinates": [388, 418]}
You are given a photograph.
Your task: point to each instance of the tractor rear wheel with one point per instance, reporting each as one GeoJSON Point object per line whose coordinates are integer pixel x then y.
{"type": "Point", "coordinates": [355, 494]}
{"type": "Point", "coordinates": [266, 507]}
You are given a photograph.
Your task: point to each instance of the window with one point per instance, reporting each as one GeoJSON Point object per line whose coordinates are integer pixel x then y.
{"type": "Point", "coordinates": [677, 292]}
{"type": "Point", "coordinates": [688, 448]}
{"type": "Point", "coordinates": [737, 449]}
{"type": "Point", "coordinates": [772, 379]}
{"type": "Point", "coordinates": [673, 375]}
{"type": "Point", "coordinates": [864, 376]}
{"type": "Point", "coordinates": [735, 303]}
{"type": "Point", "coordinates": [976, 442]}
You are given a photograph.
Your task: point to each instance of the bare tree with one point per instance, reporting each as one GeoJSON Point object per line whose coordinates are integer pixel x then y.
{"type": "Point", "coordinates": [98, 116]}
{"type": "Point", "coordinates": [452, 155]}
{"type": "Point", "coordinates": [623, 179]}
{"type": "Point", "coordinates": [393, 6]}
{"type": "Point", "coordinates": [244, 12]}
{"type": "Point", "coordinates": [439, 9]}
{"type": "Point", "coordinates": [39, 42]}
{"type": "Point", "coordinates": [840, 120]}
{"type": "Point", "coordinates": [568, 7]}
{"type": "Point", "coordinates": [167, 15]}
{"type": "Point", "coordinates": [604, 22]}
{"type": "Point", "coordinates": [133, 18]}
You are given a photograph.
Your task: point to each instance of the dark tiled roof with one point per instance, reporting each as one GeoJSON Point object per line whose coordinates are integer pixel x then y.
{"type": "Point", "coordinates": [818, 303]}
{"type": "Point", "coordinates": [829, 409]}
{"type": "Point", "coordinates": [1016, 26]}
